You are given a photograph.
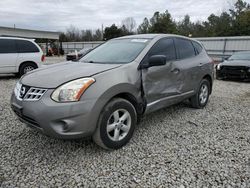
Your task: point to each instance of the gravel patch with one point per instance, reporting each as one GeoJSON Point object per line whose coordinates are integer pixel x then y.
{"type": "Point", "coordinates": [174, 147]}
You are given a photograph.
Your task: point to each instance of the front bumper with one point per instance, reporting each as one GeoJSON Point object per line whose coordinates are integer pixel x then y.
{"type": "Point", "coordinates": [233, 73]}
{"type": "Point", "coordinates": [60, 120]}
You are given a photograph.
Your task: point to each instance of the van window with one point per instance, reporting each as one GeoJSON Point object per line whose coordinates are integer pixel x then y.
{"type": "Point", "coordinates": [184, 48]}
{"type": "Point", "coordinates": [7, 46]}
{"type": "Point", "coordinates": [197, 47]}
{"type": "Point", "coordinates": [164, 47]}
{"type": "Point", "coordinates": [25, 46]}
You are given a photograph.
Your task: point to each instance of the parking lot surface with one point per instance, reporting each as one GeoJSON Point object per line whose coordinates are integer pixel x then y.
{"type": "Point", "coordinates": [174, 147]}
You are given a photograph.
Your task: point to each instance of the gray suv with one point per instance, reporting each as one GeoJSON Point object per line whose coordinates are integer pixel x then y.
{"type": "Point", "coordinates": [104, 94]}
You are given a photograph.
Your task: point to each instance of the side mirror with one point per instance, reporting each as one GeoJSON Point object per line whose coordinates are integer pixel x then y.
{"type": "Point", "coordinates": [157, 60]}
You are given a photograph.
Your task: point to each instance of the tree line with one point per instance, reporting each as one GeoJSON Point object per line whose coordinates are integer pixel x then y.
{"type": "Point", "coordinates": [234, 22]}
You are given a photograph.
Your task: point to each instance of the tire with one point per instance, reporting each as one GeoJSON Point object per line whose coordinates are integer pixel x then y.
{"type": "Point", "coordinates": [113, 133]}
{"type": "Point", "coordinates": [26, 67]}
{"type": "Point", "coordinates": [200, 99]}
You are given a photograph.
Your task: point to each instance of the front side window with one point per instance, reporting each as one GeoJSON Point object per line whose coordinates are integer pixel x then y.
{"type": "Point", "coordinates": [197, 47]}
{"type": "Point", "coordinates": [25, 46]}
{"type": "Point", "coordinates": [119, 51]}
{"type": "Point", "coordinates": [7, 46]}
{"type": "Point", "coordinates": [184, 48]}
{"type": "Point", "coordinates": [164, 47]}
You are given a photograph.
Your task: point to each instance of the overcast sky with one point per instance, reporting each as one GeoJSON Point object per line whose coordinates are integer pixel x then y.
{"type": "Point", "coordinates": [57, 15]}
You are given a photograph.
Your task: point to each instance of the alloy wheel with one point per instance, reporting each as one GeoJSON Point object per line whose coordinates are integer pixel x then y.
{"type": "Point", "coordinates": [119, 124]}
{"type": "Point", "coordinates": [203, 95]}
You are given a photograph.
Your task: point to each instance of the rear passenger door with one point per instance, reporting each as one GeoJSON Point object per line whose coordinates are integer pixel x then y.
{"type": "Point", "coordinates": [188, 64]}
{"type": "Point", "coordinates": [8, 56]}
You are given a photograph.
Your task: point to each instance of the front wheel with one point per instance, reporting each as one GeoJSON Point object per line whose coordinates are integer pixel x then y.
{"type": "Point", "coordinates": [116, 124]}
{"type": "Point", "coordinates": [26, 67]}
{"type": "Point", "coordinates": [201, 98]}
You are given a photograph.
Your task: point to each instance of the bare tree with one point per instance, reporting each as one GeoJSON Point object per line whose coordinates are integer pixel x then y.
{"type": "Point", "coordinates": [129, 23]}
{"type": "Point", "coordinates": [73, 33]}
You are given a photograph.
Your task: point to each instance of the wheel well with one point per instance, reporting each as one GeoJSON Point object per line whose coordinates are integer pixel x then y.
{"type": "Point", "coordinates": [209, 78]}
{"type": "Point", "coordinates": [139, 107]}
{"type": "Point", "coordinates": [25, 63]}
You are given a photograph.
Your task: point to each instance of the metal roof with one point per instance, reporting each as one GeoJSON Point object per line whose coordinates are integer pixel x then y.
{"type": "Point", "coordinates": [27, 33]}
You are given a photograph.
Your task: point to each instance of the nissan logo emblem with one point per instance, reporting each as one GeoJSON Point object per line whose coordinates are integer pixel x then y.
{"type": "Point", "coordinates": [22, 92]}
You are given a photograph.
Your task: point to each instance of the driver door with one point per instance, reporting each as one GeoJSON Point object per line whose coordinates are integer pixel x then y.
{"type": "Point", "coordinates": [162, 84]}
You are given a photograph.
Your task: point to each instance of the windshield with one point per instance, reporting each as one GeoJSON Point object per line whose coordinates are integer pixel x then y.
{"type": "Point", "coordinates": [118, 51]}
{"type": "Point", "coordinates": [240, 56]}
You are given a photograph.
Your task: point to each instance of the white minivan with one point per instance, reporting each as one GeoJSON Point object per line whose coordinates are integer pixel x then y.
{"type": "Point", "coordinates": [19, 56]}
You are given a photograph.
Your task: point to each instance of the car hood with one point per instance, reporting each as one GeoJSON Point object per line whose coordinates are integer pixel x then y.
{"type": "Point", "coordinates": [236, 63]}
{"type": "Point", "coordinates": [52, 76]}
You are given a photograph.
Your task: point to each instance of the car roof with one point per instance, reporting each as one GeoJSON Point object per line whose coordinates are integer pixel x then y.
{"type": "Point", "coordinates": [151, 36]}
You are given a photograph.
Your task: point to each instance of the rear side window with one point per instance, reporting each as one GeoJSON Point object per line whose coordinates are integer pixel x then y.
{"type": "Point", "coordinates": [25, 46]}
{"type": "Point", "coordinates": [184, 48]}
{"type": "Point", "coordinates": [197, 47]}
{"type": "Point", "coordinates": [7, 46]}
{"type": "Point", "coordinates": [164, 47]}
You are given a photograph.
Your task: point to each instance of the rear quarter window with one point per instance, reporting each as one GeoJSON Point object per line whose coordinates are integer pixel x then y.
{"type": "Point", "coordinates": [7, 46]}
{"type": "Point", "coordinates": [185, 48]}
{"type": "Point", "coordinates": [24, 46]}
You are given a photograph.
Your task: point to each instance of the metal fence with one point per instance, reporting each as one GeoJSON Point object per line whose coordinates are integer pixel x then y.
{"type": "Point", "coordinates": [217, 47]}
{"type": "Point", "coordinates": [220, 47]}
{"type": "Point", "coordinates": [72, 46]}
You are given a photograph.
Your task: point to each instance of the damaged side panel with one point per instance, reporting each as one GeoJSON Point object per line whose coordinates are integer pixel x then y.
{"type": "Point", "coordinates": [160, 84]}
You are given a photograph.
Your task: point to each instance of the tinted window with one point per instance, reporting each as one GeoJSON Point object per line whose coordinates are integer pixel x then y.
{"type": "Point", "coordinates": [164, 47]}
{"type": "Point", "coordinates": [25, 46]}
{"type": "Point", "coordinates": [7, 46]}
{"type": "Point", "coordinates": [184, 48]}
{"type": "Point", "coordinates": [197, 47]}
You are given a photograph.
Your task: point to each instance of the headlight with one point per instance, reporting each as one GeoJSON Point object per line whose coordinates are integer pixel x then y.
{"type": "Point", "coordinates": [72, 91]}
{"type": "Point", "coordinates": [218, 66]}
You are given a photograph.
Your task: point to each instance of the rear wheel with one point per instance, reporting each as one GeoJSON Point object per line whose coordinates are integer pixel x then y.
{"type": "Point", "coordinates": [116, 124]}
{"type": "Point", "coordinates": [26, 67]}
{"type": "Point", "coordinates": [201, 98]}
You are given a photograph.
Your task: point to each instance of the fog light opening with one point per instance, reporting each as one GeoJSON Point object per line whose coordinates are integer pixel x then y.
{"type": "Point", "coordinates": [65, 127]}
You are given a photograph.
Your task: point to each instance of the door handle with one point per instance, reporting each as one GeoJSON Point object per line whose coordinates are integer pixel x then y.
{"type": "Point", "coordinates": [175, 71]}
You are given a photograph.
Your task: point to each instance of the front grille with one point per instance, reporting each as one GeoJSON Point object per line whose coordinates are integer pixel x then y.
{"type": "Point", "coordinates": [34, 94]}
{"type": "Point", "coordinates": [24, 118]}
{"type": "Point", "coordinates": [29, 120]}
{"type": "Point", "coordinates": [234, 70]}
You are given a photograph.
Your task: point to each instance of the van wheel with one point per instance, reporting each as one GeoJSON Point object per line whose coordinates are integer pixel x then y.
{"type": "Point", "coordinates": [116, 124]}
{"type": "Point", "coordinates": [26, 67]}
{"type": "Point", "coordinates": [201, 98]}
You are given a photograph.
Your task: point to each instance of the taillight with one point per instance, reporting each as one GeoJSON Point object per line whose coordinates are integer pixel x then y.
{"type": "Point", "coordinates": [43, 58]}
